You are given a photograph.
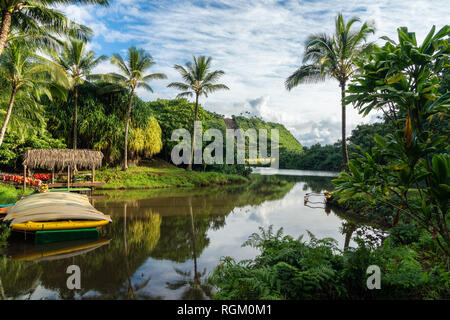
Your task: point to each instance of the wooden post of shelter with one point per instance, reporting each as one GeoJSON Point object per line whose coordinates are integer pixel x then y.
{"type": "Point", "coordinates": [68, 177]}
{"type": "Point", "coordinates": [92, 180]}
{"type": "Point", "coordinates": [24, 178]}
{"type": "Point", "coordinates": [53, 174]}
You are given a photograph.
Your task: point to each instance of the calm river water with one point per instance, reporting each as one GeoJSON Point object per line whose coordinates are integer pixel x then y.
{"type": "Point", "coordinates": [159, 239]}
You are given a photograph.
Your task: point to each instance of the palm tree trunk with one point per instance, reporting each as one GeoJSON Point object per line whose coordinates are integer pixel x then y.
{"type": "Point", "coordinates": [4, 28]}
{"type": "Point", "coordinates": [191, 160]}
{"type": "Point", "coordinates": [8, 115]}
{"type": "Point", "coordinates": [344, 142]}
{"type": "Point", "coordinates": [75, 119]}
{"type": "Point", "coordinates": [125, 151]}
{"type": "Point", "coordinates": [2, 292]}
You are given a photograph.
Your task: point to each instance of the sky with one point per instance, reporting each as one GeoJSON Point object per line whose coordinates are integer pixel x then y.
{"type": "Point", "coordinates": [257, 43]}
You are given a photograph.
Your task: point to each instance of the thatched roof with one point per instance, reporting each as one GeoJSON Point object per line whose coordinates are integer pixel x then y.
{"type": "Point", "coordinates": [61, 158]}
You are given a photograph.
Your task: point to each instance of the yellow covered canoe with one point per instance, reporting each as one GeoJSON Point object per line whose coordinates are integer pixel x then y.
{"type": "Point", "coordinates": [58, 225]}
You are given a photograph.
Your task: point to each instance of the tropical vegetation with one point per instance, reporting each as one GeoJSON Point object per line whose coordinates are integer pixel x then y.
{"type": "Point", "coordinates": [133, 76]}
{"type": "Point", "coordinates": [39, 22]}
{"type": "Point", "coordinates": [408, 169]}
{"type": "Point", "coordinates": [295, 269]}
{"type": "Point", "coordinates": [394, 173]}
{"type": "Point", "coordinates": [77, 63]}
{"type": "Point", "coordinates": [334, 56]}
{"type": "Point", "coordinates": [198, 80]}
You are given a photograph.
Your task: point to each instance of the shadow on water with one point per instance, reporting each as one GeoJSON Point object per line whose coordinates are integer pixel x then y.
{"type": "Point", "coordinates": [163, 244]}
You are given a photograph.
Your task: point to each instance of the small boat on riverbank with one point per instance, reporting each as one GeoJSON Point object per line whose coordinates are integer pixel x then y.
{"type": "Point", "coordinates": [54, 206]}
{"type": "Point", "coordinates": [56, 216]}
{"type": "Point", "coordinates": [59, 225]}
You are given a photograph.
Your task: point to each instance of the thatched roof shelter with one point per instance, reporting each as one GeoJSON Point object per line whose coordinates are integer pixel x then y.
{"type": "Point", "coordinates": [62, 158]}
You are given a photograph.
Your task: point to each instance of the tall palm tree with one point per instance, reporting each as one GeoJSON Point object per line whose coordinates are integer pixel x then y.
{"type": "Point", "coordinates": [78, 64]}
{"type": "Point", "coordinates": [333, 56]}
{"type": "Point", "coordinates": [37, 17]}
{"type": "Point", "coordinates": [199, 80]}
{"type": "Point", "coordinates": [26, 71]}
{"type": "Point", "coordinates": [133, 75]}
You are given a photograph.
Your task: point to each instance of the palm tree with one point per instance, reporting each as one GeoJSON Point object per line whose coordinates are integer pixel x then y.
{"type": "Point", "coordinates": [26, 71]}
{"type": "Point", "coordinates": [333, 56]}
{"type": "Point", "coordinates": [78, 63]}
{"type": "Point", "coordinates": [133, 76]}
{"type": "Point", "coordinates": [198, 80]}
{"type": "Point", "coordinates": [37, 19]}
{"type": "Point", "coordinates": [29, 113]}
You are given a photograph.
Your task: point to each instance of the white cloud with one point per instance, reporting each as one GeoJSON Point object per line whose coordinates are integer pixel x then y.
{"type": "Point", "coordinates": [258, 44]}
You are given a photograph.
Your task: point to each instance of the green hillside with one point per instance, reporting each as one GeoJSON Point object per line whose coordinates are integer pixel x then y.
{"type": "Point", "coordinates": [286, 140]}
{"type": "Point", "coordinates": [179, 113]}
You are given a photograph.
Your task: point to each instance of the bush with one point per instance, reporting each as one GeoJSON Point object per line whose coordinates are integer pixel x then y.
{"type": "Point", "coordinates": [317, 269]}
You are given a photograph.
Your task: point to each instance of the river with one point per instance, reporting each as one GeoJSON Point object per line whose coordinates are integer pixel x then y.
{"type": "Point", "coordinates": [160, 239]}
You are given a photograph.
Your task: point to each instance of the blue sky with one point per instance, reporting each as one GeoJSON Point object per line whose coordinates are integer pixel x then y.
{"type": "Point", "coordinates": [258, 43]}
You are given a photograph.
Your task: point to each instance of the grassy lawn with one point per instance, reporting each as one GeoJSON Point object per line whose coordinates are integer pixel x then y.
{"type": "Point", "coordinates": [9, 194]}
{"type": "Point", "coordinates": [148, 177]}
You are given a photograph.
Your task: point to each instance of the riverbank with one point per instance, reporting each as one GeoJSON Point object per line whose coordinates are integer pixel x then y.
{"type": "Point", "coordinates": [362, 213]}
{"type": "Point", "coordinates": [9, 194]}
{"type": "Point", "coordinates": [150, 177]}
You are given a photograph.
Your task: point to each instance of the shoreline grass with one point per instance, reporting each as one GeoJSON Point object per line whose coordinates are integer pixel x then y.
{"type": "Point", "coordinates": [144, 177]}
{"type": "Point", "coordinates": [9, 194]}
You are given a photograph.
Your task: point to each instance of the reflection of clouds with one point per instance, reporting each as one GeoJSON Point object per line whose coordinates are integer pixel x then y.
{"type": "Point", "coordinates": [41, 293]}
{"type": "Point", "coordinates": [261, 213]}
{"type": "Point", "coordinates": [295, 218]}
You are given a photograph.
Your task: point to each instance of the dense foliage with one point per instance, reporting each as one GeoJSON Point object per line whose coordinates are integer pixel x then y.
{"type": "Point", "coordinates": [14, 147]}
{"type": "Point", "coordinates": [409, 168]}
{"type": "Point", "coordinates": [329, 157]}
{"type": "Point", "coordinates": [286, 140]}
{"type": "Point", "coordinates": [288, 268]}
{"type": "Point", "coordinates": [101, 123]}
{"type": "Point", "coordinates": [176, 114]}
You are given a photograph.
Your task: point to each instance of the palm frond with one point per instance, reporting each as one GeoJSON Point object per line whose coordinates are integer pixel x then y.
{"type": "Point", "coordinates": [210, 88]}
{"type": "Point", "coordinates": [178, 85]}
{"type": "Point", "coordinates": [118, 61]}
{"type": "Point", "coordinates": [145, 86]}
{"type": "Point", "coordinates": [304, 74]}
{"type": "Point", "coordinates": [185, 94]}
{"type": "Point", "coordinates": [154, 76]}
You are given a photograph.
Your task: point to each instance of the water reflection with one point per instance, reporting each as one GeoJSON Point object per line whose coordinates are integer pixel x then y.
{"type": "Point", "coordinates": [26, 251]}
{"type": "Point", "coordinates": [163, 244]}
{"type": "Point", "coordinates": [194, 287]}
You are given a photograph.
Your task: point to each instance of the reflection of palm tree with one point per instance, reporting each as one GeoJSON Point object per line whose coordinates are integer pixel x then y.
{"type": "Point", "coordinates": [194, 252]}
{"type": "Point", "coordinates": [195, 290]}
{"type": "Point", "coordinates": [2, 292]}
{"type": "Point", "coordinates": [132, 292]}
{"type": "Point", "coordinates": [127, 267]}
